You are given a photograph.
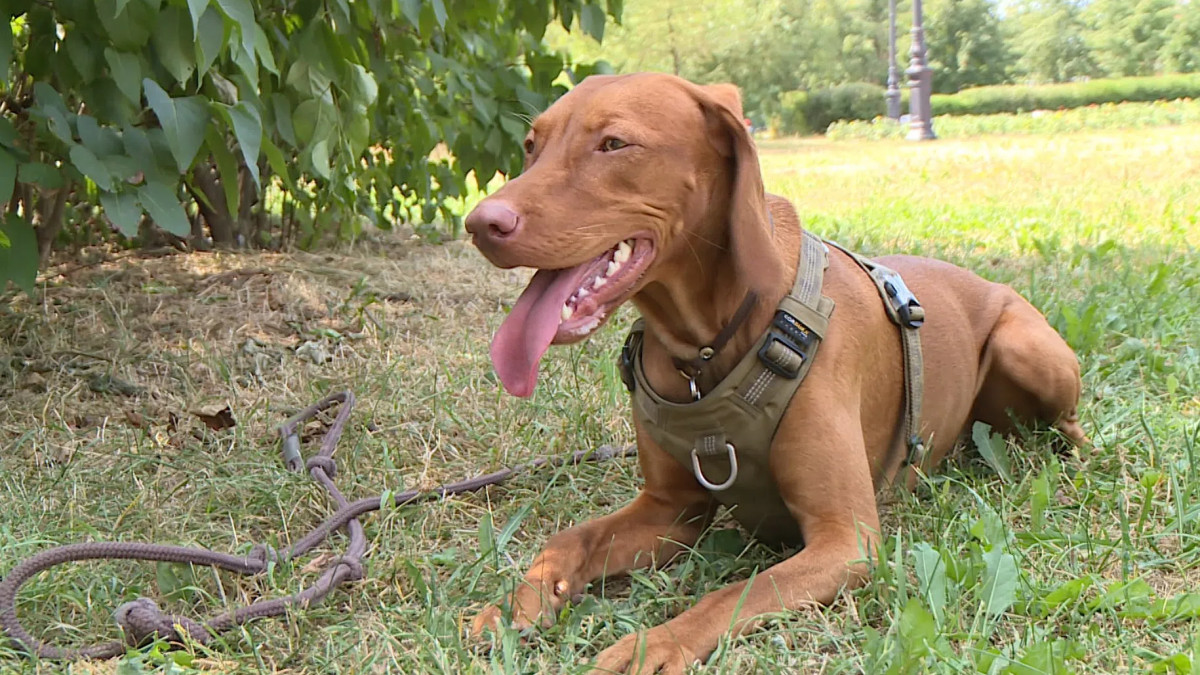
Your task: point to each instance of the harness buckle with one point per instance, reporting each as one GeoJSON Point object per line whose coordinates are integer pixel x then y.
{"type": "Point", "coordinates": [787, 345]}
{"type": "Point", "coordinates": [909, 310]}
{"type": "Point", "coordinates": [709, 485]}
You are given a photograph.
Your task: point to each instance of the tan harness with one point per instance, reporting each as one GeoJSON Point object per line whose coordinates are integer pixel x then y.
{"type": "Point", "coordinates": [725, 435]}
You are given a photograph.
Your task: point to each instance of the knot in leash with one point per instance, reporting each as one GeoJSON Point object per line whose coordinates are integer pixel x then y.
{"type": "Point", "coordinates": [263, 554]}
{"type": "Point", "coordinates": [142, 620]}
{"type": "Point", "coordinates": [351, 564]}
{"type": "Point", "coordinates": [326, 464]}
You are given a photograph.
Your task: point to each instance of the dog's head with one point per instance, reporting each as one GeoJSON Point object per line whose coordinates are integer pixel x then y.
{"type": "Point", "coordinates": [619, 174]}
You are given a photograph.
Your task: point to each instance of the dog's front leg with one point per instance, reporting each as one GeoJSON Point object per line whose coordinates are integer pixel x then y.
{"type": "Point", "coordinates": [827, 486]}
{"type": "Point", "coordinates": [667, 516]}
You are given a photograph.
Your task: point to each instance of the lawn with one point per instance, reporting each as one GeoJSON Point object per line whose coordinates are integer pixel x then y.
{"type": "Point", "coordinates": [1046, 564]}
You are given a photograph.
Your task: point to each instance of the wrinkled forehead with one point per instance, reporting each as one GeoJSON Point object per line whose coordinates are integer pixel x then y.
{"type": "Point", "coordinates": [646, 101]}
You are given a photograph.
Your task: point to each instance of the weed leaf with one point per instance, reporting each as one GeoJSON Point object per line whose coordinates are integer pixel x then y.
{"type": "Point", "coordinates": [999, 581]}
{"type": "Point", "coordinates": [993, 450]}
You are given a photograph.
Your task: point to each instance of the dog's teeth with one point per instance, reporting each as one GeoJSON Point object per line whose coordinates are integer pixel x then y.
{"type": "Point", "coordinates": [583, 293]}
{"type": "Point", "coordinates": [624, 250]}
{"type": "Point", "coordinates": [613, 266]}
{"type": "Point", "coordinates": [567, 312]}
{"type": "Point", "coordinates": [600, 281]}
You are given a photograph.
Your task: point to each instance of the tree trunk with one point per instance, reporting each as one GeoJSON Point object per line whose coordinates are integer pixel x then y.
{"type": "Point", "coordinates": [51, 205]}
{"type": "Point", "coordinates": [211, 203]}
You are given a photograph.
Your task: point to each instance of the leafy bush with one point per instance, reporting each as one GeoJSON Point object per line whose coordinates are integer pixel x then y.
{"type": "Point", "coordinates": [1105, 116]}
{"type": "Point", "coordinates": [793, 113]}
{"type": "Point", "coordinates": [266, 121]}
{"type": "Point", "coordinates": [807, 112]}
{"type": "Point", "coordinates": [1019, 98]}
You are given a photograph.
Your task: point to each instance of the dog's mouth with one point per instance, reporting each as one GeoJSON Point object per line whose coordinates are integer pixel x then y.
{"type": "Point", "coordinates": [561, 306]}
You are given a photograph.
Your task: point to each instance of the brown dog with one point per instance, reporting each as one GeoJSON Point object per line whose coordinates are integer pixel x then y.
{"type": "Point", "coordinates": [647, 188]}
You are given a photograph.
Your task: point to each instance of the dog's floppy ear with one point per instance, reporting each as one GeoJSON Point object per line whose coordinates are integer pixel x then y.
{"type": "Point", "coordinates": [727, 95]}
{"type": "Point", "coordinates": [750, 239]}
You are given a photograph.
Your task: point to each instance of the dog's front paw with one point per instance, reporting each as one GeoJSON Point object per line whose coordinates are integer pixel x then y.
{"type": "Point", "coordinates": [530, 608]}
{"type": "Point", "coordinates": [653, 651]}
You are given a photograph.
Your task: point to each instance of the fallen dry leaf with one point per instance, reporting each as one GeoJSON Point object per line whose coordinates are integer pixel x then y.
{"type": "Point", "coordinates": [217, 421]}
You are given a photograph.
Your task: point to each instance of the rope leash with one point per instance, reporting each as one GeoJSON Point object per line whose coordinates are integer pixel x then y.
{"type": "Point", "coordinates": [142, 619]}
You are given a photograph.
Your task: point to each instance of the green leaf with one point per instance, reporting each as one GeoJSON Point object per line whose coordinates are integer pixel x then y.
{"type": "Point", "coordinates": [1000, 579]}
{"type": "Point", "coordinates": [262, 47]}
{"type": "Point", "coordinates": [282, 109]}
{"type": "Point", "coordinates": [100, 140]}
{"type": "Point", "coordinates": [8, 133]}
{"type": "Point", "coordinates": [123, 211]}
{"type": "Point", "coordinates": [183, 120]}
{"type": "Point", "coordinates": [49, 103]}
{"type": "Point", "coordinates": [1135, 593]}
{"type": "Point", "coordinates": [320, 158]}
{"type": "Point", "coordinates": [126, 71]}
{"type": "Point", "coordinates": [173, 44]}
{"type": "Point", "coordinates": [276, 161]}
{"type": "Point", "coordinates": [1068, 591]}
{"type": "Point", "coordinates": [1046, 657]}
{"type": "Point", "coordinates": [242, 14]}
{"type": "Point", "coordinates": [91, 166]}
{"type": "Point", "coordinates": [247, 127]}
{"type": "Point", "coordinates": [43, 175]}
{"type": "Point", "coordinates": [591, 19]}
{"type": "Point", "coordinates": [993, 449]}
{"type": "Point", "coordinates": [211, 36]}
{"type": "Point", "coordinates": [1039, 499]}
{"type": "Point", "coordinates": [931, 578]}
{"type": "Point", "coordinates": [197, 9]}
{"type": "Point", "coordinates": [19, 260]}
{"type": "Point", "coordinates": [412, 11]}
{"type": "Point", "coordinates": [129, 25]}
{"type": "Point", "coordinates": [918, 630]}
{"type": "Point", "coordinates": [227, 167]}
{"type": "Point", "coordinates": [164, 207]}
{"type": "Point", "coordinates": [439, 12]}
{"type": "Point", "coordinates": [8, 174]}
{"type": "Point", "coordinates": [6, 47]}
{"type": "Point", "coordinates": [81, 53]}
{"type": "Point", "coordinates": [358, 133]}
{"type": "Point", "coordinates": [313, 120]}
{"type": "Point", "coordinates": [363, 85]}
{"type": "Point", "coordinates": [487, 538]}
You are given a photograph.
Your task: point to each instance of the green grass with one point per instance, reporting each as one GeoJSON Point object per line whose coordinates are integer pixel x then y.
{"type": "Point", "coordinates": [1051, 122]}
{"type": "Point", "coordinates": [1087, 563]}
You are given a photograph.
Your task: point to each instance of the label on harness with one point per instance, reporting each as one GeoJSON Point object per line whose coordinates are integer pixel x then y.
{"type": "Point", "coordinates": [787, 345]}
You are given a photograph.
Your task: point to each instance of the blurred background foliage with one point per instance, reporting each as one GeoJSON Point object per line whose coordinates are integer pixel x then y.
{"type": "Point", "coordinates": [278, 123]}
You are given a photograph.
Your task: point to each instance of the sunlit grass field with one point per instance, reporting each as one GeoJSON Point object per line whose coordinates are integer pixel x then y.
{"type": "Point", "coordinates": [1047, 564]}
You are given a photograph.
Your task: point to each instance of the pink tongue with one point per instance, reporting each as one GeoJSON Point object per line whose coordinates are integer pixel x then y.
{"type": "Point", "coordinates": [530, 327]}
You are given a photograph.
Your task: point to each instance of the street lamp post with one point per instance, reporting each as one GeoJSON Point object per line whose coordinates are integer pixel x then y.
{"type": "Point", "coordinates": [893, 79]}
{"type": "Point", "coordinates": [920, 82]}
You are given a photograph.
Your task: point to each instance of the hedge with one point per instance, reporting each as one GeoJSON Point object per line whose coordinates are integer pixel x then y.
{"type": "Point", "coordinates": [812, 112]}
{"type": "Point", "coordinates": [1023, 98]}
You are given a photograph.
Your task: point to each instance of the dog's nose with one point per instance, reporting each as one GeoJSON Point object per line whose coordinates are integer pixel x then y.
{"type": "Point", "coordinates": [493, 219]}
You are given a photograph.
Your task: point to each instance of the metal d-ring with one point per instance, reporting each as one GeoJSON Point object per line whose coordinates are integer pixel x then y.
{"type": "Point", "coordinates": [709, 485]}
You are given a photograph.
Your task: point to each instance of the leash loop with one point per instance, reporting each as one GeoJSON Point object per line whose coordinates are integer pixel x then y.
{"type": "Point", "coordinates": [709, 485]}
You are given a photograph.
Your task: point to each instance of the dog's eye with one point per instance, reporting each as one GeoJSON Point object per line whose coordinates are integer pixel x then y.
{"type": "Point", "coordinates": [611, 144]}
{"type": "Point", "coordinates": [529, 146]}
